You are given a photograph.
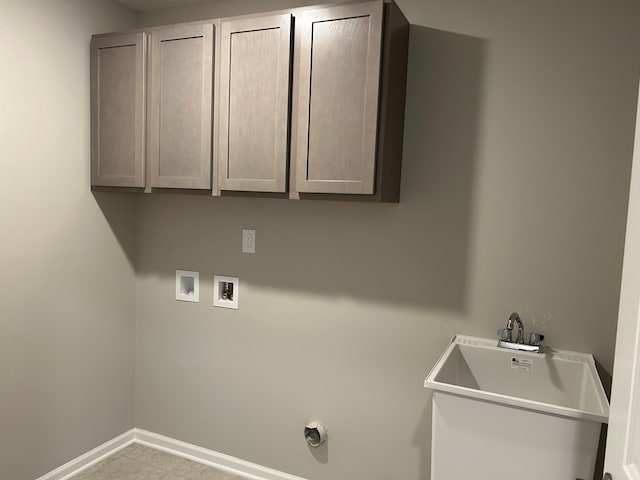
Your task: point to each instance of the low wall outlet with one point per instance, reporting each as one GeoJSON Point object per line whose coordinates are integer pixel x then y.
{"type": "Point", "coordinates": [187, 286]}
{"type": "Point", "coordinates": [226, 291]}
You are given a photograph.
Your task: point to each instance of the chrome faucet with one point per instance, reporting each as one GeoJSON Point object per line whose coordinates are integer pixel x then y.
{"type": "Point", "coordinates": [506, 336]}
{"type": "Point", "coordinates": [507, 332]}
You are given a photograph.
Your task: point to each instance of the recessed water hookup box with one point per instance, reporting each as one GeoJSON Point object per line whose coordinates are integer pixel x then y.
{"type": "Point", "coordinates": [226, 291]}
{"type": "Point", "coordinates": [187, 286]}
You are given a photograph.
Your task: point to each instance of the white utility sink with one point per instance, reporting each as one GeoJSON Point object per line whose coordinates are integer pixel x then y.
{"type": "Point", "coordinates": [491, 404]}
{"type": "Point", "coordinates": [556, 381]}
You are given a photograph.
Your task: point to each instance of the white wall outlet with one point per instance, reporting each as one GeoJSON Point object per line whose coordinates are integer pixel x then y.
{"type": "Point", "coordinates": [248, 240]}
{"type": "Point", "coordinates": [187, 286]}
{"type": "Point", "coordinates": [226, 291]}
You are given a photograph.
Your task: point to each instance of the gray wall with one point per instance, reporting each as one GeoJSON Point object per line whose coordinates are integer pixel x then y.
{"type": "Point", "coordinates": [518, 142]}
{"type": "Point", "coordinates": [67, 293]}
{"type": "Point", "coordinates": [517, 154]}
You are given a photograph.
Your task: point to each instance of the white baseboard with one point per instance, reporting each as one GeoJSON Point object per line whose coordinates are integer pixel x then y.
{"type": "Point", "coordinates": [218, 460]}
{"type": "Point", "coordinates": [214, 459]}
{"type": "Point", "coordinates": [85, 460]}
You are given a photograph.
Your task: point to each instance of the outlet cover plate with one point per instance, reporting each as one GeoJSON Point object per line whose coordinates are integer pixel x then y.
{"type": "Point", "coordinates": [249, 240]}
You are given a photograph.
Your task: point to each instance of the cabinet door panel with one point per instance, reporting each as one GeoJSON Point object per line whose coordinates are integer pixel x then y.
{"type": "Point", "coordinates": [117, 110]}
{"type": "Point", "coordinates": [254, 103]}
{"type": "Point", "coordinates": [180, 107]}
{"type": "Point", "coordinates": [337, 98]}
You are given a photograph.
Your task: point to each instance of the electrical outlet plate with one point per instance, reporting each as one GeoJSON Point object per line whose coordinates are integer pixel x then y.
{"type": "Point", "coordinates": [187, 286]}
{"type": "Point", "coordinates": [226, 291]}
{"type": "Point", "coordinates": [248, 240]}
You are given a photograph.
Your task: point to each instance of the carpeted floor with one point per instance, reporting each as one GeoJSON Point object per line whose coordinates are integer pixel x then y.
{"type": "Point", "coordinates": [137, 462]}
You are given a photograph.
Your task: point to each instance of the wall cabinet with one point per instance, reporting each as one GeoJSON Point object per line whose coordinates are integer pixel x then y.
{"type": "Point", "coordinates": [253, 102]}
{"type": "Point", "coordinates": [172, 149]}
{"type": "Point", "coordinates": [337, 98]}
{"type": "Point", "coordinates": [179, 107]}
{"type": "Point", "coordinates": [348, 104]}
{"type": "Point", "coordinates": [307, 103]}
{"type": "Point", "coordinates": [118, 71]}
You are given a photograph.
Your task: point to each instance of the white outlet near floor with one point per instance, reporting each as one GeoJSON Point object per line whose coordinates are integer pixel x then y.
{"type": "Point", "coordinates": [248, 240]}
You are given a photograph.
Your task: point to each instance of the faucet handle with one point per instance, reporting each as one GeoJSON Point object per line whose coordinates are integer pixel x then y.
{"type": "Point", "coordinates": [505, 334]}
{"type": "Point", "coordinates": [535, 338]}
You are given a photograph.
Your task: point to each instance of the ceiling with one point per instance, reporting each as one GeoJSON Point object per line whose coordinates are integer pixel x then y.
{"type": "Point", "coordinates": [141, 5]}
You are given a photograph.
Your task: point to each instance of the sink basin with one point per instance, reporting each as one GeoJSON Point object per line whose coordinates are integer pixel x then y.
{"type": "Point", "coordinates": [556, 381]}
{"type": "Point", "coordinates": [488, 401]}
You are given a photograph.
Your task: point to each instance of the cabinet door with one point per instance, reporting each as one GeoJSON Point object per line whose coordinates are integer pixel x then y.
{"type": "Point", "coordinates": [180, 96]}
{"type": "Point", "coordinates": [338, 80]}
{"type": "Point", "coordinates": [255, 59]}
{"type": "Point", "coordinates": [117, 110]}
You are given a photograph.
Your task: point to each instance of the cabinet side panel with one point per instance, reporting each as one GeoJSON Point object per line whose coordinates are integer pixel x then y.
{"type": "Point", "coordinates": [392, 104]}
